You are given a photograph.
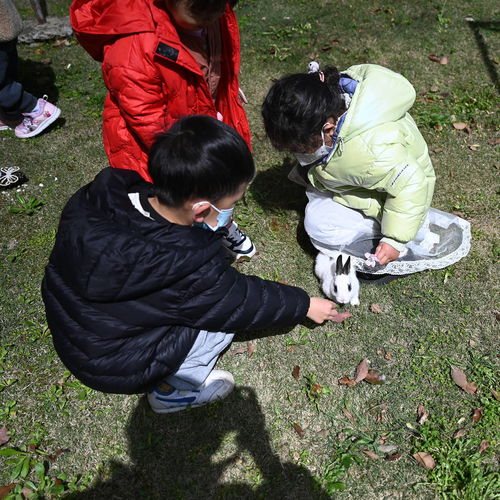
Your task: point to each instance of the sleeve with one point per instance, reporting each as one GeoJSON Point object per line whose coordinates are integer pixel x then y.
{"type": "Point", "coordinates": [409, 193]}
{"type": "Point", "coordinates": [237, 302]}
{"type": "Point", "coordinates": [135, 85]}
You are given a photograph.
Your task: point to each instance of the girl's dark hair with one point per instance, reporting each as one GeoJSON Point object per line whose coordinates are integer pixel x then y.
{"type": "Point", "coordinates": [203, 8]}
{"type": "Point", "coordinates": [199, 157]}
{"type": "Point", "coordinates": [297, 106]}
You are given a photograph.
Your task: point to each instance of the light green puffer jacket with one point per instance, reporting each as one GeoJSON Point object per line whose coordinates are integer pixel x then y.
{"type": "Point", "coordinates": [381, 163]}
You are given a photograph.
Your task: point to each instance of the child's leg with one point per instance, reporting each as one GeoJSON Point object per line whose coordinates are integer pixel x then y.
{"type": "Point", "coordinates": [333, 227]}
{"type": "Point", "coordinates": [195, 383]}
{"type": "Point", "coordinates": [13, 98]}
{"type": "Point", "coordinates": [200, 360]}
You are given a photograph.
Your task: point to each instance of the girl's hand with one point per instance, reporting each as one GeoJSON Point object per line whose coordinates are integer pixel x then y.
{"type": "Point", "coordinates": [386, 253]}
{"type": "Point", "coordinates": [321, 310]}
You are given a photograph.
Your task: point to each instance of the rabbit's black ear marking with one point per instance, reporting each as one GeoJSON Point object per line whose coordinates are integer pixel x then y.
{"type": "Point", "coordinates": [338, 269]}
{"type": "Point", "coordinates": [347, 267]}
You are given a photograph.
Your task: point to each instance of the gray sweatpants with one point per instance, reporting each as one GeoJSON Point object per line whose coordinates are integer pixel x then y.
{"type": "Point", "coordinates": [200, 360]}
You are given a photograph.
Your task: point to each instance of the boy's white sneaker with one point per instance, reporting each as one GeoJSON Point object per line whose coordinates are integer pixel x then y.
{"type": "Point", "coordinates": [217, 386]}
{"type": "Point", "coordinates": [238, 243]}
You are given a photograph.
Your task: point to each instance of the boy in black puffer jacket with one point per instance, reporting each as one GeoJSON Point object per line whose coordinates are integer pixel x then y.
{"type": "Point", "coordinates": [138, 291]}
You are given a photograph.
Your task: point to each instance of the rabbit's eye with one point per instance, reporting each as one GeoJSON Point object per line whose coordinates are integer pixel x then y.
{"type": "Point", "coordinates": [335, 288]}
{"type": "Point", "coordinates": [349, 287]}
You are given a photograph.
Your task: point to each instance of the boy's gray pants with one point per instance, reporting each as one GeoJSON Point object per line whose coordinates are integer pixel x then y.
{"type": "Point", "coordinates": [200, 360]}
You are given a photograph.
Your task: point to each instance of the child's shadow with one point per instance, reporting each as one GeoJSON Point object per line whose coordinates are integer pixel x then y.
{"type": "Point", "coordinates": [38, 78]}
{"type": "Point", "coordinates": [179, 456]}
{"type": "Point", "coordinates": [272, 190]}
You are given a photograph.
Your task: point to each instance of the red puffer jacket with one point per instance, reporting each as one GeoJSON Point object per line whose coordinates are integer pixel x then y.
{"type": "Point", "coordinates": [151, 76]}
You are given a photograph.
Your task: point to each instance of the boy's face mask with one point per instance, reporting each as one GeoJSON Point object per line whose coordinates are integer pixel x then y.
{"type": "Point", "coordinates": [224, 217]}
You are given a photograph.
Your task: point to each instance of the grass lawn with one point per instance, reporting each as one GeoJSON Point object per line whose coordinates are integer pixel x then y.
{"type": "Point", "coordinates": [289, 430]}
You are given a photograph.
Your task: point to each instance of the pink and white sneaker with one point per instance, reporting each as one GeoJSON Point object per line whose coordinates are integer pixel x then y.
{"type": "Point", "coordinates": [35, 122]}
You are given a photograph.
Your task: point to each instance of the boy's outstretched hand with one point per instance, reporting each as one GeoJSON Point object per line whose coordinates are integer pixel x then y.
{"type": "Point", "coordinates": [386, 253]}
{"type": "Point", "coordinates": [321, 310]}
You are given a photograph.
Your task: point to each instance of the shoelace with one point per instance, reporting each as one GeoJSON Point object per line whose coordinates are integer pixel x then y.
{"type": "Point", "coordinates": [7, 176]}
{"type": "Point", "coordinates": [239, 234]}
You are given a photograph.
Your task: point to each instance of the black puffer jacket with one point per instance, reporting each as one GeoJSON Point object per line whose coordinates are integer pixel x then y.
{"type": "Point", "coordinates": [125, 295]}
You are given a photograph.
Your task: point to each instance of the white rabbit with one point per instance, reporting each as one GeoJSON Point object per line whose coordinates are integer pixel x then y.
{"type": "Point", "coordinates": [338, 280]}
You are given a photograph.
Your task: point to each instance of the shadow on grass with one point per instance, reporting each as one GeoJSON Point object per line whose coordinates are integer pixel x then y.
{"type": "Point", "coordinates": [272, 189]}
{"type": "Point", "coordinates": [176, 457]}
{"type": "Point", "coordinates": [488, 59]}
{"type": "Point", "coordinates": [38, 78]}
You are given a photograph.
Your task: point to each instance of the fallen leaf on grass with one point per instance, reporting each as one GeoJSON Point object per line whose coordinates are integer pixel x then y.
{"type": "Point", "coordinates": [240, 350]}
{"type": "Point", "coordinates": [438, 150]}
{"type": "Point", "coordinates": [370, 454]}
{"type": "Point", "coordinates": [4, 436]}
{"type": "Point", "coordinates": [379, 352]}
{"type": "Point", "coordinates": [422, 414]}
{"type": "Point", "coordinates": [298, 430]}
{"type": "Point", "coordinates": [460, 214]}
{"type": "Point", "coordinates": [496, 395]}
{"type": "Point", "coordinates": [6, 489]}
{"type": "Point", "coordinates": [460, 125]}
{"type": "Point", "coordinates": [424, 459]}
{"type": "Point", "coordinates": [474, 147]}
{"type": "Point", "coordinates": [296, 372]}
{"type": "Point", "coordinates": [393, 457]}
{"type": "Point", "coordinates": [347, 381]}
{"type": "Point", "coordinates": [388, 356]}
{"type": "Point", "coordinates": [375, 308]}
{"type": "Point", "coordinates": [57, 453]}
{"type": "Point", "coordinates": [434, 58]}
{"type": "Point", "coordinates": [443, 60]}
{"type": "Point", "coordinates": [251, 349]}
{"type": "Point", "coordinates": [375, 377]}
{"type": "Point", "coordinates": [477, 415]}
{"type": "Point", "coordinates": [349, 416]}
{"type": "Point", "coordinates": [483, 446]}
{"type": "Point", "coordinates": [460, 433]}
{"type": "Point", "coordinates": [494, 142]}
{"type": "Point", "coordinates": [361, 371]}
{"type": "Point", "coordinates": [460, 379]}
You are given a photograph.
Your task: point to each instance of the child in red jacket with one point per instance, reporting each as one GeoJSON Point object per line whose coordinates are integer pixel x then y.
{"type": "Point", "coordinates": [161, 60]}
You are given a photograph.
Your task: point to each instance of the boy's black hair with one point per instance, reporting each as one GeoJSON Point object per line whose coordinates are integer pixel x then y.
{"type": "Point", "coordinates": [297, 106]}
{"type": "Point", "coordinates": [199, 157]}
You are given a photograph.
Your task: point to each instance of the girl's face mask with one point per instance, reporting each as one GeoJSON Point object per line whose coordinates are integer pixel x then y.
{"type": "Point", "coordinates": [309, 159]}
{"type": "Point", "coordinates": [224, 217]}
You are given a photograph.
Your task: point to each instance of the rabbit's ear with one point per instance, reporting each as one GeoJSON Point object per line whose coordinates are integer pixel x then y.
{"type": "Point", "coordinates": [347, 267]}
{"type": "Point", "coordinates": [338, 269]}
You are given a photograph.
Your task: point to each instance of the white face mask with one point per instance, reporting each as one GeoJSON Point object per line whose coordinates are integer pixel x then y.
{"type": "Point", "coordinates": [308, 159]}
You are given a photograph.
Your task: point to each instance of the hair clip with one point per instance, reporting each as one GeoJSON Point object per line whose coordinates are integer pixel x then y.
{"type": "Point", "coordinates": [313, 67]}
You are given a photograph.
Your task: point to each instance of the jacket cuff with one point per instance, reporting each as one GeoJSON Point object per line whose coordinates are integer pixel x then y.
{"type": "Point", "coordinates": [400, 247]}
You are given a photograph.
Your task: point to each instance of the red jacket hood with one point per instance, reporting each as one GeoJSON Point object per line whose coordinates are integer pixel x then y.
{"type": "Point", "coordinates": [95, 22]}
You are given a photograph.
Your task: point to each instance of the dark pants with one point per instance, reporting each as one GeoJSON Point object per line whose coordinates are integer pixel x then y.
{"type": "Point", "coordinates": [14, 100]}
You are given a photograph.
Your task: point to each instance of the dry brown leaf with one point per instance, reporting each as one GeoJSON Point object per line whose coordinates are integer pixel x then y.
{"type": "Point", "coordinates": [393, 457]}
{"type": "Point", "coordinates": [370, 454]}
{"type": "Point", "coordinates": [460, 125]}
{"type": "Point", "coordinates": [4, 435]}
{"type": "Point", "coordinates": [388, 356]}
{"type": "Point", "coordinates": [443, 60]}
{"type": "Point", "coordinates": [483, 446]}
{"type": "Point", "coordinates": [291, 348]}
{"type": "Point", "coordinates": [240, 350]}
{"type": "Point", "coordinates": [6, 489]}
{"type": "Point", "coordinates": [460, 379]}
{"type": "Point", "coordinates": [496, 395]}
{"type": "Point", "coordinates": [379, 352]}
{"type": "Point", "coordinates": [494, 142]}
{"type": "Point", "coordinates": [347, 381]}
{"type": "Point", "coordinates": [474, 147]}
{"type": "Point", "coordinates": [460, 433]}
{"type": "Point", "coordinates": [434, 58]}
{"type": "Point", "coordinates": [361, 371]}
{"type": "Point", "coordinates": [422, 414]}
{"type": "Point", "coordinates": [424, 459]}
{"type": "Point", "coordinates": [251, 349]}
{"type": "Point", "coordinates": [298, 430]}
{"type": "Point", "coordinates": [438, 127]}
{"type": "Point", "coordinates": [349, 416]}
{"type": "Point", "coordinates": [375, 377]}
{"type": "Point", "coordinates": [375, 308]}
{"type": "Point", "coordinates": [296, 372]}
{"type": "Point", "coordinates": [477, 415]}
{"type": "Point", "coordinates": [438, 150]}
{"type": "Point", "coordinates": [460, 214]}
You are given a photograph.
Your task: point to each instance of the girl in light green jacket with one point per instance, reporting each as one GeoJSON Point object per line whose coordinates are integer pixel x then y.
{"type": "Point", "coordinates": [366, 167]}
